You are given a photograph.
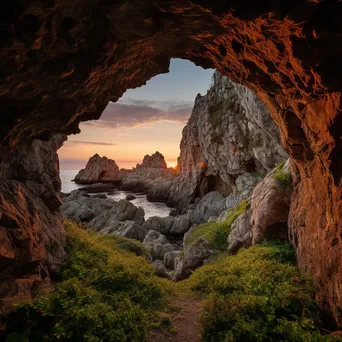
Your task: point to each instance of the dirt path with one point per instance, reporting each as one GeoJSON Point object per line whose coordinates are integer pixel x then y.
{"type": "Point", "coordinates": [185, 321]}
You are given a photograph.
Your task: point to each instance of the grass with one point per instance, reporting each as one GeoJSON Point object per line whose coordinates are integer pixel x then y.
{"type": "Point", "coordinates": [257, 295]}
{"type": "Point", "coordinates": [283, 178]}
{"type": "Point", "coordinates": [107, 293]}
{"type": "Point", "coordinates": [217, 233]}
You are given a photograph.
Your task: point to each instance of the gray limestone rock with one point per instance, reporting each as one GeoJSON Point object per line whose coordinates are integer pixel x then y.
{"type": "Point", "coordinates": [241, 232]}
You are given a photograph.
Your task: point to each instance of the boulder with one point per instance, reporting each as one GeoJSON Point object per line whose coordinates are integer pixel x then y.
{"type": "Point", "coordinates": [159, 250]}
{"type": "Point", "coordinates": [240, 235]}
{"type": "Point", "coordinates": [80, 207]}
{"type": "Point", "coordinates": [122, 210]}
{"type": "Point", "coordinates": [270, 206]}
{"type": "Point", "coordinates": [196, 253]}
{"type": "Point", "coordinates": [130, 197]}
{"type": "Point", "coordinates": [212, 204]}
{"type": "Point", "coordinates": [157, 244]}
{"type": "Point", "coordinates": [153, 237]}
{"type": "Point", "coordinates": [99, 170]}
{"type": "Point", "coordinates": [128, 229]}
{"type": "Point", "coordinates": [160, 269]}
{"type": "Point", "coordinates": [169, 225]}
{"type": "Point", "coordinates": [169, 259]}
{"type": "Point", "coordinates": [182, 271]}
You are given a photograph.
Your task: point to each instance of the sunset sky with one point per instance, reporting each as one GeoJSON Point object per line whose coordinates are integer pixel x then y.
{"type": "Point", "coordinates": [143, 121]}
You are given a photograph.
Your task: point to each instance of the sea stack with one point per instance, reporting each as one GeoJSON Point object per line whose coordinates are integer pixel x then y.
{"type": "Point", "coordinates": [99, 170]}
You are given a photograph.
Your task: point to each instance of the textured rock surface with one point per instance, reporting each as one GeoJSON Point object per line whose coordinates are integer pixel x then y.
{"type": "Point", "coordinates": [169, 225]}
{"type": "Point", "coordinates": [270, 207]}
{"type": "Point", "coordinates": [240, 235]}
{"type": "Point", "coordinates": [151, 177]}
{"type": "Point", "coordinates": [194, 257]}
{"type": "Point", "coordinates": [122, 210]}
{"type": "Point", "coordinates": [230, 132]}
{"type": "Point", "coordinates": [155, 161]}
{"type": "Point", "coordinates": [31, 225]}
{"type": "Point", "coordinates": [80, 207]}
{"type": "Point", "coordinates": [290, 59]}
{"type": "Point", "coordinates": [156, 244]}
{"type": "Point", "coordinates": [128, 229]}
{"type": "Point", "coordinates": [160, 269]}
{"type": "Point", "coordinates": [99, 169]}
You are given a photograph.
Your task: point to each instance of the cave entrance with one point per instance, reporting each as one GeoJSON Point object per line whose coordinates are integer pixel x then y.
{"type": "Point", "coordinates": [129, 133]}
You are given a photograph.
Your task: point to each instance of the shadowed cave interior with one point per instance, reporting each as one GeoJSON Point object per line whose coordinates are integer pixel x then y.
{"type": "Point", "coordinates": [62, 62]}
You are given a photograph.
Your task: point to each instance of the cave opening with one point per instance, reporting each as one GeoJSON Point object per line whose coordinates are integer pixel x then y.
{"type": "Point", "coordinates": [63, 62]}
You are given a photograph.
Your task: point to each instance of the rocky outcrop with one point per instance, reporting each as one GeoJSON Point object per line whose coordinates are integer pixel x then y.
{"type": "Point", "coordinates": [151, 177]}
{"type": "Point", "coordinates": [122, 210]}
{"type": "Point", "coordinates": [128, 229]}
{"type": "Point", "coordinates": [99, 170]}
{"type": "Point", "coordinates": [31, 224]}
{"type": "Point", "coordinates": [194, 256]}
{"type": "Point", "coordinates": [240, 235]}
{"type": "Point", "coordinates": [155, 161]}
{"type": "Point", "coordinates": [270, 206]}
{"type": "Point", "coordinates": [105, 215]}
{"type": "Point", "coordinates": [156, 244]}
{"type": "Point", "coordinates": [169, 225]}
{"type": "Point", "coordinates": [230, 133]}
{"type": "Point", "coordinates": [289, 55]}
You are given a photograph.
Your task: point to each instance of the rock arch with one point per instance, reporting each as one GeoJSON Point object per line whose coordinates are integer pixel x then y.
{"type": "Point", "coordinates": [62, 61]}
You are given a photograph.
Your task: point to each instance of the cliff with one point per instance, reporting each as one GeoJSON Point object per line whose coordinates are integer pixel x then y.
{"type": "Point", "coordinates": [99, 170]}
{"type": "Point", "coordinates": [230, 133]}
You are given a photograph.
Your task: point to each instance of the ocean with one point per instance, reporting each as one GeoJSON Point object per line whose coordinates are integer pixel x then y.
{"type": "Point", "coordinates": [150, 208]}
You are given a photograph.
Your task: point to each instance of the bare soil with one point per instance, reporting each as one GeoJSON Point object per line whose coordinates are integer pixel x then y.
{"type": "Point", "coordinates": [185, 322]}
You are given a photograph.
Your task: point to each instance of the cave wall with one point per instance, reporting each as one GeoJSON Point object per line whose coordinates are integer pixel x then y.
{"type": "Point", "coordinates": [31, 224]}
{"type": "Point", "coordinates": [62, 61]}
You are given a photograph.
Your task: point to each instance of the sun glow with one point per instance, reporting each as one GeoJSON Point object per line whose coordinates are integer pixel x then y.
{"type": "Point", "coordinates": [172, 164]}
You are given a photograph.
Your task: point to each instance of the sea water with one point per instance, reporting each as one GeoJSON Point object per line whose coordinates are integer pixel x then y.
{"type": "Point", "coordinates": [150, 208]}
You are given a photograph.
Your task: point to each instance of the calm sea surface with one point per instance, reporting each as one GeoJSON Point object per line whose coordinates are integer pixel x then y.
{"type": "Point", "coordinates": [151, 208]}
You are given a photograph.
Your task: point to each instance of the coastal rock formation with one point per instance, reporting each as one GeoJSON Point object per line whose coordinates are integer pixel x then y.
{"type": "Point", "coordinates": [194, 256]}
{"type": "Point", "coordinates": [287, 52]}
{"type": "Point", "coordinates": [230, 133]}
{"type": "Point", "coordinates": [156, 161]}
{"type": "Point", "coordinates": [240, 235]}
{"type": "Point", "coordinates": [169, 225]}
{"type": "Point", "coordinates": [99, 170]}
{"type": "Point", "coordinates": [81, 207]}
{"type": "Point", "coordinates": [128, 229]}
{"type": "Point", "coordinates": [270, 206]}
{"type": "Point", "coordinates": [156, 244]}
{"type": "Point", "coordinates": [151, 177]}
{"type": "Point", "coordinates": [105, 215]}
{"type": "Point", "coordinates": [31, 226]}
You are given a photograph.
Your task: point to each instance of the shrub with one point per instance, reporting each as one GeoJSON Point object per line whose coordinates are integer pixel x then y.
{"type": "Point", "coordinates": [257, 295]}
{"type": "Point", "coordinates": [217, 233]}
{"type": "Point", "coordinates": [106, 294]}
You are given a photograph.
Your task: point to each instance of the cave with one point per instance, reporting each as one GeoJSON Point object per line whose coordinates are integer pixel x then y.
{"type": "Point", "coordinates": [62, 62]}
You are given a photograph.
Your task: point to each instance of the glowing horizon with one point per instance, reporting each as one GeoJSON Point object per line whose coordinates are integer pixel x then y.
{"type": "Point", "coordinates": [145, 120]}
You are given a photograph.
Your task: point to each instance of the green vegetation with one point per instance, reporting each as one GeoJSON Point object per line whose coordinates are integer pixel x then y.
{"type": "Point", "coordinates": [217, 233]}
{"type": "Point", "coordinates": [284, 178]}
{"type": "Point", "coordinates": [107, 293]}
{"type": "Point", "coordinates": [257, 295]}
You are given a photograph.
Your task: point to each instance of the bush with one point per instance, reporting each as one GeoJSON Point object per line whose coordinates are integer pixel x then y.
{"type": "Point", "coordinates": [106, 294]}
{"type": "Point", "coordinates": [257, 295]}
{"type": "Point", "coordinates": [284, 179]}
{"type": "Point", "coordinates": [217, 233]}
